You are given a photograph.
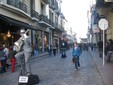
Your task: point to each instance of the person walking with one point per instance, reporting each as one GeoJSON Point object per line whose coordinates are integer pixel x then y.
{"type": "Point", "coordinates": [6, 51]}
{"type": "Point", "coordinates": [25, 50]}
{"type": "Point", "coordinates": [11, 56]}
{"type": "Point", "coordinates": [3, 60]}
{"type": "Point", "coordinates": [100, 47]}
{"type": "Point", "coordinates": [54, 49]}
{"type": "Point", "coordinates": [49, 49]}
{"type": "Point", "coordinates": [75, 54]}
{"type": "Point", "coordinates": [109, 49]}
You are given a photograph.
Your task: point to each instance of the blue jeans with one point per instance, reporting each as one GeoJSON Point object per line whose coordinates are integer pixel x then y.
{"type": "Point", "coordinates": [3, 63]}
{"type": "Point", "coordinates": [76, 59]}
{"type": "Point", "coordinates": [49, 53]}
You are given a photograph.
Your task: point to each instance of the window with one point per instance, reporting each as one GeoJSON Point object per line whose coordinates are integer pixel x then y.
{"type": "Point", "coordinates": [51, 15]}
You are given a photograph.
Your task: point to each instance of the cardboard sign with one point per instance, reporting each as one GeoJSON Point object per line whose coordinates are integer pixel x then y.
{"type": "Point", "coordinates": [23, 79]}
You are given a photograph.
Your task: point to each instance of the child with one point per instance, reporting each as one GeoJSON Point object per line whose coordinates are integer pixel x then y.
{"type": "Point", "coordinates": [11, 56]}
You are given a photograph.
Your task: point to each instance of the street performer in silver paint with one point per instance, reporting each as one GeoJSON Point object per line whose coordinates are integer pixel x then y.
{"type": "Point", "coordinates": [24, 49]}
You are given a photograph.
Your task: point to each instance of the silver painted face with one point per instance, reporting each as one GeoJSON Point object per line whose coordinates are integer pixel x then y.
{"type": "Point", "coordinates": [22, 33]}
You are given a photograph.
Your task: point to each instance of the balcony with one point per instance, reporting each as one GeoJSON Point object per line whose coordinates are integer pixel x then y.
{"type": "Point", "coordinates": [58, 12]}
{"type": "Point", "coordinates": [16, 6]}
{"type": "Point", "coordinates": [52, 4]}
{"type": "Point", "coordinates": [56, 5]}
{"type": "Point", "coordinates": [35, 14]}
{"type": "Point", "coordinates": [61, 27]}
{"type": "Point", "coordinates": [58, 27]}
{"type": "Point", "coordinates": [43, 20]}
{"type": "Point", "coordinates": [46, 1]}
{"type": "Point", "coordinates": [24, 6]}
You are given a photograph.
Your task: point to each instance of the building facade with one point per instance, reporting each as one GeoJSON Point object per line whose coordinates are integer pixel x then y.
{"type": "Point", "coordinates": [98, 10]}
{"type": "Point", "coordinates": [42, 17]}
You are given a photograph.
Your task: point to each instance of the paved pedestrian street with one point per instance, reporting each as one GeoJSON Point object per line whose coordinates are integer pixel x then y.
{"type": "Point", "coordinates": [55, 70]}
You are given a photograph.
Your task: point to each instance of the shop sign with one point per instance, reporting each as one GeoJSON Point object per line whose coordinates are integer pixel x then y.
{"type": "Point", "coordinates": [95, 29]}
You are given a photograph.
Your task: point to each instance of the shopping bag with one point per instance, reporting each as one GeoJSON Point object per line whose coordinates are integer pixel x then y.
{"type": "Point", "coordinates": [73, 60]}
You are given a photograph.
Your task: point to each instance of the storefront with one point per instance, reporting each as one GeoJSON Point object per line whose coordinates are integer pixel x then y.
{"type": "Point", "coordinates": [42, 40]}
{"type": "Point", "coordinates": [46, 40]}
{"type": "Point", "coordinates": [8, 33]}
{"type": "Point", "coordinates": [9, 30]}
{"type": "Point", "coordinates": [39, 41]}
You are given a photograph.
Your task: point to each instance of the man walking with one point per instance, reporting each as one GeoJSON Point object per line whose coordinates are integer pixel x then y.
{"type": "Point", "coordinates": [100, 47]}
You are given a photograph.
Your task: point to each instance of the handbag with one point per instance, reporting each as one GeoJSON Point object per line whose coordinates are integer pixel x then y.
{"type": "Point", "coordinates": [73, 60]}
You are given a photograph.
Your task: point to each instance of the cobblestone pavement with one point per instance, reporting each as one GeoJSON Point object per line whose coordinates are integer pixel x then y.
{"type": "Point", "coordinates": [55, 70]}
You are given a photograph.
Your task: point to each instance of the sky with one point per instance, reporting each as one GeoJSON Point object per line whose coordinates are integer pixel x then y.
{"type": "Point", "coordinates": [75, 12]}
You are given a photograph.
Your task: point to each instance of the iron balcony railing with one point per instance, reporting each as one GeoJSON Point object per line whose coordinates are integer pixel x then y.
{"type": "Point", "coordinates": [46, 20]}
{"type": "Point", "coordinates": [22, 5]}
{"type": "Point", "coordinates": [58, 26]}
{"type": "Point", "coordinates": [43, 18]}
{"type": "Point", "coordinates": [34, 14]}
{"type": "Point", "coordinates": [52, 4]}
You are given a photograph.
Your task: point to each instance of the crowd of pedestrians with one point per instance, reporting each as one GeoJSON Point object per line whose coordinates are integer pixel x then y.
{"type": "Point", "coordinates": [8, 54]}
{"type": "Point", "coordinates": [52, 48]}
{"type": "Point", "coordinates": [108, 49]}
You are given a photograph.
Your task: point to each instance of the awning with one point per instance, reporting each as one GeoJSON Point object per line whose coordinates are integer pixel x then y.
{"type": "Point", "coordinates": [17, 23]}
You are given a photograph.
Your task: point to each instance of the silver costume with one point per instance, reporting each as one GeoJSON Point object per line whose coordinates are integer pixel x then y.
{"type": "Point", "coordinates": [26, 50]}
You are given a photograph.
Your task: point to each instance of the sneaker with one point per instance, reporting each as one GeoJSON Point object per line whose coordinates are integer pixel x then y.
{"type": "Point", "coordinates": [75, 69]}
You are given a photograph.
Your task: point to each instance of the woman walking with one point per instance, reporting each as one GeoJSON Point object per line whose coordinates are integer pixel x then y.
{"type": "Point", "coordinates": [76, 53]}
